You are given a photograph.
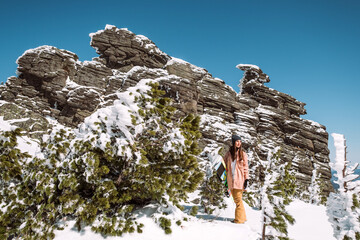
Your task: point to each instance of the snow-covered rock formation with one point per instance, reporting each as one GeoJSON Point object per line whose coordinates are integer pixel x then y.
{"type": "Point", "coordinates": [53, 82]}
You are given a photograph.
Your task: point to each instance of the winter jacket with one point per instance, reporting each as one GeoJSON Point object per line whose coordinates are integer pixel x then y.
{"type": "Point", "coordinates": [241, 171]}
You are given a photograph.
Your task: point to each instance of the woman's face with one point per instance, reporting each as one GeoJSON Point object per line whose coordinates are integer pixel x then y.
{"type": "Point", "coordinates": [237, 143]}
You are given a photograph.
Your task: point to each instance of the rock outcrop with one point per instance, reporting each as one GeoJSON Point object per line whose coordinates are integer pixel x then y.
{"type": "Point", "coordinates": [274, 120]}
{"type": "Point", "coordinates": [53, 83]}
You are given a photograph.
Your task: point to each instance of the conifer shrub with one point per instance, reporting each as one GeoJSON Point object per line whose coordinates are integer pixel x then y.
{"type": "Point", "coordinates": [212, 193]}
{"type": "Point", "coordinates": [212, 190]}
{"type": "Point", "coordinates": [11, 176]}
{"type": "Point", "coordinates": [101, 173]}
{"type": "Point", "coordinates": [355, 202]}
{"type": "Point", "coordinates": [314, 193]}
{"type": "Point", "coordinates": [194, 210]}
{"type": "Point", "coordinates": [252, 195]}
{"type": "Point", "coordinates": [165, 224]}
{"type": "Point", "coordinates": [11, 158]}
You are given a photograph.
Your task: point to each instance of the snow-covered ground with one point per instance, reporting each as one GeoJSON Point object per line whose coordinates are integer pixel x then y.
{"type": "Point", "coordinates": [311, 224]}
{"type": "Point", "coordinates": [25, 143]}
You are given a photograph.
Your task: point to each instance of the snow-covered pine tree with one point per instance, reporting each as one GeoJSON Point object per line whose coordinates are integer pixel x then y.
{"type": "Point", "coordinates": [122, 158]}
{"type": "Point", "coordinates": [343, 206]}
{"type": "Point", "coordinates": [276, 193]}
{"type": "Point", "coordinates": [167, 149]}
{"type": "Point", "coordinates": [252, 196]}
{"type": "Point", "coordinates": [316, 187]}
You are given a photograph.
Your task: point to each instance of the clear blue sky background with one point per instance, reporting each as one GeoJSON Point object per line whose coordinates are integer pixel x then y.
{"type": "Point", "coordinates": [310, 49]}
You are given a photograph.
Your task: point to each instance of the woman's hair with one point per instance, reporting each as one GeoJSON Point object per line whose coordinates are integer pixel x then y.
{"type": "Point", "coordinates": [233, 152]}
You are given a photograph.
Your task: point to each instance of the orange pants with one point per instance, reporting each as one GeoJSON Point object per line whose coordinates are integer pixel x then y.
{"type": "Point", "coordinates": [240, 215]}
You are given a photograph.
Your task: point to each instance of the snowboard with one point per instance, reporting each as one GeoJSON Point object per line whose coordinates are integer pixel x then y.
{"type": "Point", "coordinates": [221, 173]}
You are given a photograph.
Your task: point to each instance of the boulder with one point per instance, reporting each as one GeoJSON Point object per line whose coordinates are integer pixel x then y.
{"type": "Point", "coordinates": [122, 48]}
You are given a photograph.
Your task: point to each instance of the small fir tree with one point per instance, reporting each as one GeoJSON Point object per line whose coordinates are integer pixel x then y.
{"type": "Point", "coordinates": [276, 193]}
{"type": "Point", "coordinates": [316, 187]}
{"type": "Point", "coordinates": [211, 193]}
{"type": "Point", "coordinates": [343, 206]}
{"type": "Point", "coordinates": [252, 196]}
{"type": "Point", "coordinates": [167, 152]}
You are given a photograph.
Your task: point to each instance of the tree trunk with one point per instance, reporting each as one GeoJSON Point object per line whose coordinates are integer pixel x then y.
{"type": "Point", "coordinates": [263, 230]}
{"type": "Point", "coordinates": [344, 170]}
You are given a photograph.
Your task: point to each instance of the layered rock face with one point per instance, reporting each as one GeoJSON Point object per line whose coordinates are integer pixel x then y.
{"type": "Point", "coordinates": [53, 84]}
{"type": "Point", "coordinates": [273, 119]}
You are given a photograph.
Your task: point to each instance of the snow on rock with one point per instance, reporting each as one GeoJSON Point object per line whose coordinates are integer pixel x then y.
{"type": "Point", "coordinates": [221, 130]}
{"type": "Point", "coordinates": [25, 143]}
{"type": "Point", "coordinates": [45, 49]}
{"type": "Point", "coordinates": [247, 67]}
{"type": "Point", "coordinates": [28, 145]}
{"type": "Point", "coordinates": [5, 125]}
{"type": "Point", "coordinates": [252, 72]}
{"type": "Point", "coordinates": [144, 51]}
{"type": "Point", "coordinates": [195, 69]}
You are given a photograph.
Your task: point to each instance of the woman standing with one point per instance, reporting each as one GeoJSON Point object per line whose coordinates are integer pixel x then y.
{"type": "Point", "coordinates": [237, 176]}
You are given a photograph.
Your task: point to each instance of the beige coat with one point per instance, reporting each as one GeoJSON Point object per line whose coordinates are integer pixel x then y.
{"type": "Point", "coordinates": [241, 171]}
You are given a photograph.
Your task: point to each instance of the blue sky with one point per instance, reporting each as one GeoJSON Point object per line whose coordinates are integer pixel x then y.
{"type": "Point", "coordinates": [310, 49]}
